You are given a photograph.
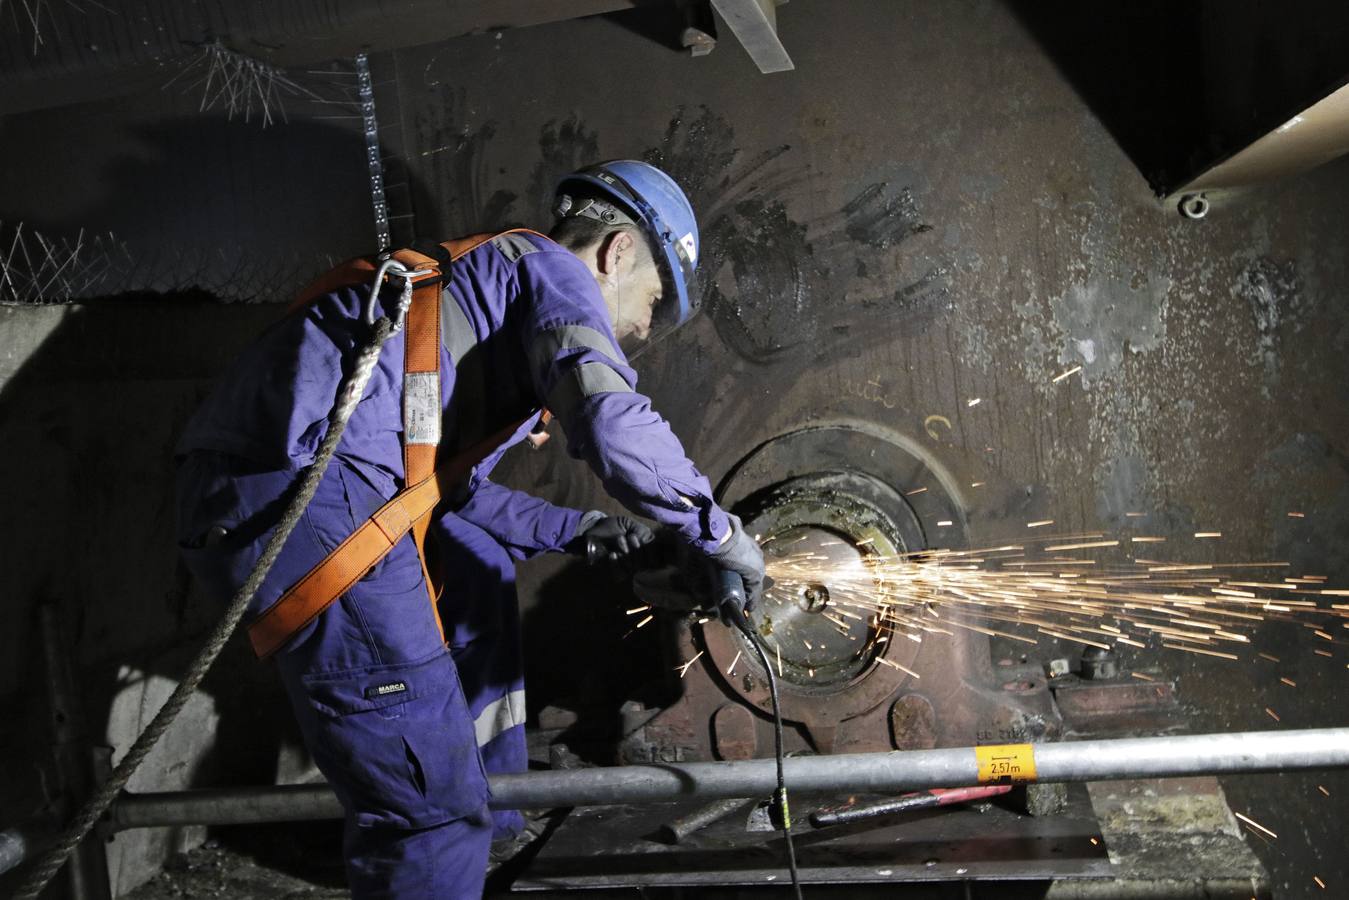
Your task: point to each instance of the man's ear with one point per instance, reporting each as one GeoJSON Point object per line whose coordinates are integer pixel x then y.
{"type": "Point", "coordinates": [613, 248]}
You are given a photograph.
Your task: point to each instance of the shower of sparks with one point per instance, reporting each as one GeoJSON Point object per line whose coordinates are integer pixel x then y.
{"type": "Point", "coordinates": [895, 665]}
{"type": "Point", "coordinates": [1063, 375]}
{"type": "Point", "coordinates": [1255, 824]}
{"type": "Point", "coordinates": [240, 84]}
{"type": "Point", "coordinates": [1054, 586]}
{"type": "Point", "coordinates": [684, 669]}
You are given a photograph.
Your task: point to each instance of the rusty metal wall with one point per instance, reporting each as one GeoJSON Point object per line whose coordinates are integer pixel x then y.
{"type": "Point", "coordinates": [924, 214]}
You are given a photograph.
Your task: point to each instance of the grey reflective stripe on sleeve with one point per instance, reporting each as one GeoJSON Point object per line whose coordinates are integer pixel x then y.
{"type": "Point", "coordinates": [499, 716]}
{"type": "Point", "coordinates": [456, 332]}
{"type": "Point", "coordinates": [514, 246]}
{"type": "Point", "coordinates": [581, 382]}
{"type": "Point", "coordinates": [566, 337]}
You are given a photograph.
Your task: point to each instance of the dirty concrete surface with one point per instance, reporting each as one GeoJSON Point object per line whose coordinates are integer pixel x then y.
{"type": "Point", "coordinates": [926, 213]}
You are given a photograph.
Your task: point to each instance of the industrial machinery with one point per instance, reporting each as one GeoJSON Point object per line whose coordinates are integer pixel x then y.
{"type": "Point", "coordinates": [839, 493]}
{"type": "Point", "coordinates": [846, 685]}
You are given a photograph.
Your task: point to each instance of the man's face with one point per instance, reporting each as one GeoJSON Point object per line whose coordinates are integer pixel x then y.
{"type": "Point", "coordinates": [633, 298]}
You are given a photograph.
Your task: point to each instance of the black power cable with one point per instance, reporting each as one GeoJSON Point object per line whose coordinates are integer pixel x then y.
{"type": "Point", "coordinates": [731, 602]}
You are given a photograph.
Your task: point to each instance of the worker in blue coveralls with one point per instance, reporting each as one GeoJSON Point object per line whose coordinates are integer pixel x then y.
{"type": "Point", "coordinates": [404, 723]}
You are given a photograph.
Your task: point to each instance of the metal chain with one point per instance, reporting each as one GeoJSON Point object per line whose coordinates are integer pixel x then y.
{"type": "Point", "coordinates": [349, 394]}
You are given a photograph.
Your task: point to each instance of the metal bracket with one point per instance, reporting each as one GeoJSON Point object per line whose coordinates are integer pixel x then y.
{"type": "Point", "coordinates": [755, 24]}
{"type": "Point", "coordinates": [699, 36]}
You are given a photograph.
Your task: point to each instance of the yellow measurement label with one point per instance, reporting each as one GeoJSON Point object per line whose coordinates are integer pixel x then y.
{"type": "Point", "coordinates": [1005, 763]}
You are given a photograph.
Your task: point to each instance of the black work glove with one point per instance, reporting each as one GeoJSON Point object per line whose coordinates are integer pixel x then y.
{"type": "Point", "coordinates": [609, 537]}
{"type": "Point", "coordinates": [740, 553]}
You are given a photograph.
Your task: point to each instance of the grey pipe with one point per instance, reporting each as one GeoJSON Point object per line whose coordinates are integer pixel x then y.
{"type": "Point", "coordinates": [1160, 757]}
{"type": "Point", "coordinates": [677, 831]}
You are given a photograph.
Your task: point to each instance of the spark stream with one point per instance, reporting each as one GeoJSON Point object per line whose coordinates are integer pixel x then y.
{"type": "Point", "coordinates": [1209, 609]}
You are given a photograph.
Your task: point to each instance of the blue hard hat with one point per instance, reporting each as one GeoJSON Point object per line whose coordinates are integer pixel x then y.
{"type": "Point", "coordinates": [657, 205]}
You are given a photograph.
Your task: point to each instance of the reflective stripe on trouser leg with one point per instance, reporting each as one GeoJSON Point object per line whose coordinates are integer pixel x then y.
{"type": "Point", "coordinates": [499, 716]}
{"type": "Point", "coordinates": [482, 623]}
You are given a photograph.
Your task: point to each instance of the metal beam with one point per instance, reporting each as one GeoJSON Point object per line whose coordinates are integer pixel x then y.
{"type": "Point", "coordinates": [755, 24]}
{"type": "Point", "coordinates": [1314, 136]}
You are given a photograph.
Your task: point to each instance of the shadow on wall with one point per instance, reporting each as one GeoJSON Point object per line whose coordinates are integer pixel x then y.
{"type": "Point", "coordinates": [92, 400]}
{"type": "Point", "coordinates": [88, 425]}
{"type": "Point", "coordinates": [585, 657]}
{"type": "Point", "coordinates": [1139, 67]}
{"type": "Point", "coordinates": [198, 204]}
{"type": "Point", "coordinates": [1183, 84]}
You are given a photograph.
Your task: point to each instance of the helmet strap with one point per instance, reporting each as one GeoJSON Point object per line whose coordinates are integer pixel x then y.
{"type": "Point", "coordinates": [591, 208]}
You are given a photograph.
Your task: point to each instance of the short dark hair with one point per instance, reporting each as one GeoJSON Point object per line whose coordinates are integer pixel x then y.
{"type": "Point", "coordinates": [579, 232]}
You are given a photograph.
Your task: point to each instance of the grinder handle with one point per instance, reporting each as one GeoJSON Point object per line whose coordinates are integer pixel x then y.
{"type": "Point", "coordinates": [730, 599]}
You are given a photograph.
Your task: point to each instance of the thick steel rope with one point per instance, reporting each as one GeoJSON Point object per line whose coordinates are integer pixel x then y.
{"type": "Point", "coordinates": [348, 395]}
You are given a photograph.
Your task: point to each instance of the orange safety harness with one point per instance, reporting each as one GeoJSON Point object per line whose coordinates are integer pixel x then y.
{"type": "Point", "coordinates": [424, 481]}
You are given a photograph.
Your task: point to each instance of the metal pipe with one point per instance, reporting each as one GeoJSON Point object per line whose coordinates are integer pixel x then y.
{"type": "Point", "coordinates": [1158, 757]}
{"type": "Point", "coordinates": [86, 872]}
{"type": "Point", "coordinates": [678, 830]}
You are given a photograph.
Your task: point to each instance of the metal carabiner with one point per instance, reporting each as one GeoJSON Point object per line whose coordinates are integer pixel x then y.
{"type": "Point", "coordinates": [389, 266]}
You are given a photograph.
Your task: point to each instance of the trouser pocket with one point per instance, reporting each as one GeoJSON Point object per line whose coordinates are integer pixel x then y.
{"type": "Point", "coordinates": [396, 742]}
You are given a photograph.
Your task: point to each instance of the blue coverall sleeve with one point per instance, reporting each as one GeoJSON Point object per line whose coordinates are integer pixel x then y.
{"type": "Point", "coordinates": [583, 377]}
{"type": "Point", "coordinates": [522, 523]}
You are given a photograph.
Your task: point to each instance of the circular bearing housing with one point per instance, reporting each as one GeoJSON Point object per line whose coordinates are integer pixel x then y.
{"type": "Point", "coordinates": [830, 496]}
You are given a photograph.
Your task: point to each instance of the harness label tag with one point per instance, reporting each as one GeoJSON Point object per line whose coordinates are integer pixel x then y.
{"type": "Point", "coordinates": [384, 690]}
{"type": "Point", "coordinates": [421, 407]}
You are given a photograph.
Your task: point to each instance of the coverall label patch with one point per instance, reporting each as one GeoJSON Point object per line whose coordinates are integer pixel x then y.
{"type": "Point", "coordinates": [384, 690]}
